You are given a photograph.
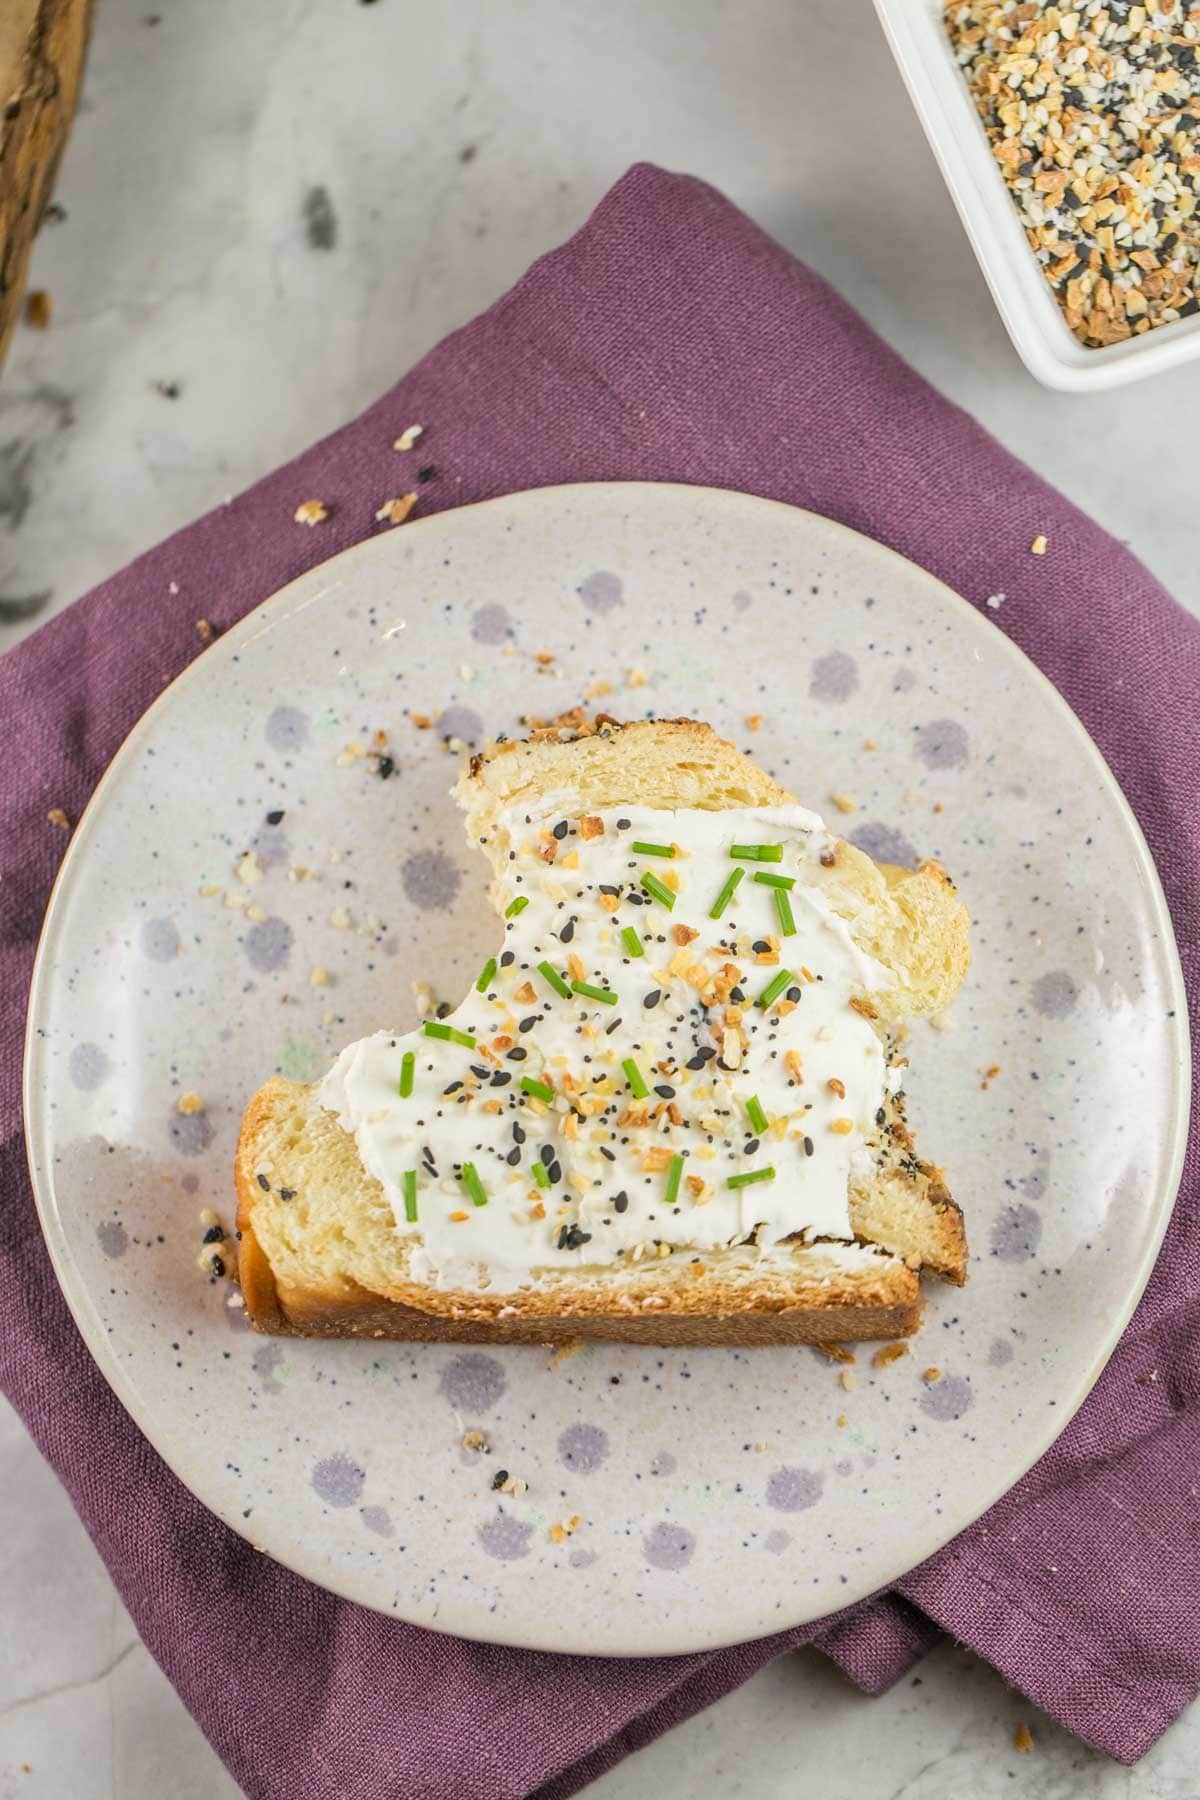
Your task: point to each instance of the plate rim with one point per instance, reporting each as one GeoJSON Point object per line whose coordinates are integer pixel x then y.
{"type": "Point", "coordinates": [78, 1297]}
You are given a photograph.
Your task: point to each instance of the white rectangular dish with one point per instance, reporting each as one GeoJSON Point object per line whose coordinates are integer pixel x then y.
{"type": "Point", "coordinates": [1044, 341]}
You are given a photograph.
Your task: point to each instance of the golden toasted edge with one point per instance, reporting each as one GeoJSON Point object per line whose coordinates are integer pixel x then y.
{"type": "Point", "coordinates": [880, 1301]}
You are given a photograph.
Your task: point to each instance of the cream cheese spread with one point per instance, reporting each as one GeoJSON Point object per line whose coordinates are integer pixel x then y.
{"type": "Point", "coordinates": [670, 1051]}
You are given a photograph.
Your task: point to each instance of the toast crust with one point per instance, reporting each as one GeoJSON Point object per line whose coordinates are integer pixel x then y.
{"type": "Point", "coordinates": [679, 1302]}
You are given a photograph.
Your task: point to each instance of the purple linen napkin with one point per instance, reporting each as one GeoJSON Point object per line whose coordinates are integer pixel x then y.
{"type": "Point", "coordinates": [669, 340]}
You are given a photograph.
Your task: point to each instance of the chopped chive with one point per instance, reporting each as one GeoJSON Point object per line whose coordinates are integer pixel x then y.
{"type": "Point", "coordinates": [775, 881]}
{"type": "Point", "coordinates": [410, 1195]}
{"type": "Point", "coordinates": [473, 1185]}
{"type": "Point", "coordinates": [538, 1089]}
{"type": "Point", "coordinates": [635, 1078]}
{"type": "Point", "coordinates": [750, 1177]}
{"type": "Point", "coordinates": [640, 849]}
{"type": "Point", "coordinates": [658, 890]}
{"type": "Point", "coordinates": [756, 1115]}
{"type": "Point", "coordinates": [775, 987]}
{"type": "Point", "coordinates": [516, 906]}
{"type": "Point", "coordinates": [757, 852]}
{"type": "Point", "coordinates": [408, 1063]}
{"type": "Point", "coordinates": [726, 894]}
{"type": "Point", "coordinates": [538, 1171]}
{"type": "Point", "coordinates": [787, 919]}
{"type": "Point", "coordinates": [435, 1028]}
{"type": "Point", "coordinates": [632, 941]}
{"type": "Point", "coordinates": [674, 1176]}
{"type": "Point", "coordinates": [594, 993]}
{"type": "Point", "coordinates": [485, 976]}
{"type": "Point", "coordinates": [551, 974]}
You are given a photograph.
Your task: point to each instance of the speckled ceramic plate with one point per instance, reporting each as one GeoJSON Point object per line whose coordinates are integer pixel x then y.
{"type": "Point", "coordinates": [719, 1493]}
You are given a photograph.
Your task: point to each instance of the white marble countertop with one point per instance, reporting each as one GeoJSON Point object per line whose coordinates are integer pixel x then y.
{"type": "Point", "coordinates": [271, 211]}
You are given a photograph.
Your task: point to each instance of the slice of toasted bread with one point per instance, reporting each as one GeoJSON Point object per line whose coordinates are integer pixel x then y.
{"type": "Point", "coordinates": [319, 1252]}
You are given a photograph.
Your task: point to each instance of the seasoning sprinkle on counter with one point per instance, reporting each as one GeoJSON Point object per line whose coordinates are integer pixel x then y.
{"type": "Point", "coordinates": [616, 1107]}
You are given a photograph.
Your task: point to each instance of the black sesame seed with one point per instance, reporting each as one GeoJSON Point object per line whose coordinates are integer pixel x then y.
{"type": "Point", "coordinates": [620, 1201]}
{"type": "Point", "coordinates": [623, 824]}
{"type": "Point", "coordinates": [880, 1116]}
{"type": "Point", "coordinates": [567, 932]}
{"type": "Point", "coordinates": [527, 1024]}
{"type": "Point", "coordinates": [499, 1478]}
{"type": "Point", "coordinates": [264, 1184]}
{"type": "Point", "coordinates": [808, 1146]}
{"type": "Point", "coordinates": [214, 1235]}
{"type": "Point", "coordinates": [607, 1153]}
{"type": "Point", "coordinates": [750, 1147]}
{"type": "Point", "coordinates": [501, 1078]}
{"type": "Point", "coordinates": [507, 958]}
{"type": "Point", "coordinates": [481, 1073]}
{"type": "Point", "coordinates": [793, 993]}
{"type": "Point", "coordinates": [547, 1154]}
{"type": "Point", "coordinates": [737, 995]}
{"type": "Point", "coordinates": [287, 1193]}
{"type": "Point", "coordinates": [518, 1131]}
{"type": "Point", "coordinates": [554, 1171]}
{"type": "Point", "coordinates": [561, 829]}
{"type": "Point", "coordinates": [513, 1157]}
{"type": "Point", "coordinates": [427, 473]}
{"type": "Point", "coordinates": [276, 817]}
{"type": "Point", "coordinates": [652, 998]}
{"type": "Point", "coordinates": [218, 1266]}
{"type": "Point", "coordinates": [385, 766]}
{"type": "Point", "coordinates": [518, 1053]}
{"type": "Point", "coordinates": [665, 1091]}
{"type": "Point", "coordinates": [453, 1088]}
{"type": "Point", "coordinates": [761, 947]}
